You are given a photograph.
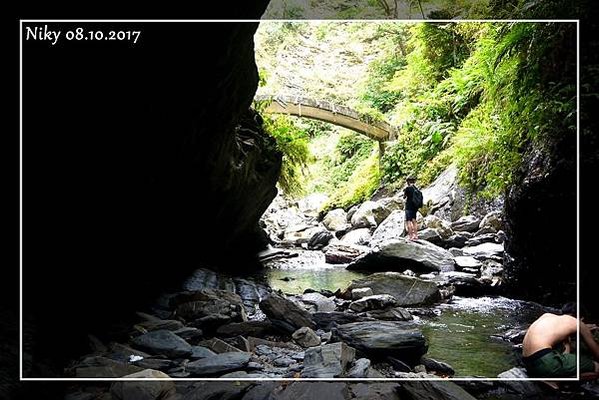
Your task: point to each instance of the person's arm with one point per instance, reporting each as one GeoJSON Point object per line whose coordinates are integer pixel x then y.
{"type": "Point", "coordinates": [589, 340]}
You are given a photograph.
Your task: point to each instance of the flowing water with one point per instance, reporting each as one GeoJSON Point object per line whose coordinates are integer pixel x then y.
{"type": "Point", "coordinates": [465, 332]}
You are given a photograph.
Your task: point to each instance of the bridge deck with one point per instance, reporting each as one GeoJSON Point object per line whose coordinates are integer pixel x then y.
{"type": "Point", "coordinates": [330, 112]}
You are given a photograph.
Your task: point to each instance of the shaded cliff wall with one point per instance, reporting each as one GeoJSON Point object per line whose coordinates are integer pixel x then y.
{"type": "Point", "coordinates": [140, 163]}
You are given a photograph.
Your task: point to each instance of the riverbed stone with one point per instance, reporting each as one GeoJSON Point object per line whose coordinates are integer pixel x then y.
{"type": "Point", "coordinates": [359, 293]}
{"type": "Point", "coordinates": [438, 390]}
{"type": "Point", "coordinates": [276, 307]}
{"type": "Point", "coordinates": [374, 302]}
{"type": "Point", "coordinates": [163, 342]}
{"type": "Point", "coordinates": [380, 339]}
{"type": "Point", "coordinates": [431, 235]}
{"type": "Point", "coordinates": [343, 254]}
{"type": "Point", "coordinates": [210, 307]}
{"type": "Point", "coordinates": [102, 367]}
{"type": "Point", "coordinates": [219, 364]}
{"type": "Point", "coordinates": [253, 328]}
{"type": "Point", "coordinates": [336, 220]}
{"type": "Point", "coordinates": [526, 389]}
{"type": "Point", "coordinates": [201, 352]}
{"type": "Point", "coordinates": [493, 219]}
{"type": "Point", "coordinates": [408, 291]}
{"type": "Point", "coordinates": [391, 314]}
{"type": "Point", "coordinates": [358, 237]}
{"type": "Point", "coordinates": [467, 223]}
{"type": "Point", "coordinates": [319, 240]}
{"type": "Point", "coordinates": [484, 238]}
{"type": "Point", "coordinates": [306, 337]}
{"type": "Point", "coordinates": [442, 226]}
{"type": "Point", "coordinates": [328, 320]}
{"type": "Point", "coordinates": [143, 390]}
{"type": "Point", "coordinates": [327, 361]}
{"type": "Point", "coordinates": [359, 369]}
{"type": "Point", "coordinates": [399, 254]}
{"type": "Point", "coordinates": [369, 214]}
{"type": "Point", "coordinates": [218, 346]}
{"type": "Point", "coordinates": [320, 302]}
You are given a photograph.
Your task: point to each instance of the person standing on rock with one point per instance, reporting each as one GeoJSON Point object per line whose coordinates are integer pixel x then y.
{"type": "Point", "coordinates": [412, 198]}
{"type": "Point", "coordinates": [546, 347]}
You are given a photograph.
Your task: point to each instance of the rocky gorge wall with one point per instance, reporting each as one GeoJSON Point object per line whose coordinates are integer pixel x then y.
{"type": "Point", "coordinates": [140, 163]}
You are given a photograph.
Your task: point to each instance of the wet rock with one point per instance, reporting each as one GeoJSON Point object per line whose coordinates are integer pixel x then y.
{"type": "Point", "coordinates": [342, 254]}
{"type": "Point", "coordinates": [158, 324]}
{"type": "Point", "coordinates": [374, 302]}
{"type": "Point", "coordinates": [526, 389]}
{"type": "Point", "coordinates": [306, 337]}
{"type": "Point", "coordinates": [210, 308]}
{"type": "Point", "coordinates": [189, 334]}
{"type": "Point", "coordinates": [467, 262]}
{"type": "Point", "coordinates": [369, 214]}
{"type": "Point", "coordinates": [408, 291]}
{"type": "Point", "coordinates": [490, 268]}
{"type": "Point", "coordinates": [255, 342]}
{"type": "Point", "coordinates": [320, 302]}
{"type": "Point", "coordinates": [327, 320]}
{"type": "Point", "coordinates": [327, 361]}
{"type": "Point", "coordinates": [319, 240]}
{"type": "Point", "coordinates": [219, 364]}
{"type": "Point", "coordinates": [467, 223]}
{"type": "Point", "coordinates": [102, 367]}
{"type": "Point", "coordinates": [155, 364]}
{"type": "Point", "coordinates": [400, 254]}
{"type": "Point", "coordinates": [440, 192]}
{"type": "Point", "coordinates": [253, 328]}
{"type": "Point", "coordinates": [218, 346]}
{"type": "Point", "coordinates": [437, 366]}
{"type": "Point", "coordinates": [279, 308]}
{"type": "Point", "coordinates": [358, 237]}
{"type": "Point", "coordinates": [359, 369]}
{"type": "Point", "coordinates": [201, 352]}
{"type": "Point", "coordinates": [359, 293]}
{"type": "Point", "coordinates": [391, 314]}
{"type": "Point", "coordinates": [336, 220]}
{"type": "Point", "coordinates": [163, 342]}
{"type": "Point", "coordinates": [140, 390]}
{"type": "Point", "coordinates": [380, 339]}
{"type": "Point", "coordinates": [438, 390]}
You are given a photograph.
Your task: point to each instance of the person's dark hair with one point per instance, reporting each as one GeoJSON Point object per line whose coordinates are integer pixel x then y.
{"type": "Point", "coordinates": [569, 309]}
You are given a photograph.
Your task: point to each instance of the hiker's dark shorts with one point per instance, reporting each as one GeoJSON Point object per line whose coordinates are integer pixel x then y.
{"type": "Point", "coordinates": [410, 215]}
{"type": "Point", "coordinates": [548, 363]}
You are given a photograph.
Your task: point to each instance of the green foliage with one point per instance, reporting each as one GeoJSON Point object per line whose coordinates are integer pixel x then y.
{"type": "Point", "coordinates": [293, 143]}
{"type": "Point", "coordinates": [360, 185]}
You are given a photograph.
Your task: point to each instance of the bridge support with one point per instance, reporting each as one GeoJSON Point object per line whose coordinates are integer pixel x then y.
{"type": "Point", "coordinates": [381, 154]}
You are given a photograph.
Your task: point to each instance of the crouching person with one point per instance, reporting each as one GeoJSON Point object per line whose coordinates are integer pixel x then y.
{"type": "Point", "coordinates": [547, 352]}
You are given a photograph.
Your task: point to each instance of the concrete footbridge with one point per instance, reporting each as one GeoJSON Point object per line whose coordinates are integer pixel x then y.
{"type": "Point", "coordinates": [329, 112]}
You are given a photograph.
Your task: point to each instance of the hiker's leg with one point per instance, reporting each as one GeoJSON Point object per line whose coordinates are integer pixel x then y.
{"type": "Point", "coordinates": [415, 228]}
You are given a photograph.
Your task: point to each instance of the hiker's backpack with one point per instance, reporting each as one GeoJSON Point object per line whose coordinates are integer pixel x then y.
{"type": "Point", "coordinates": [417, 198]}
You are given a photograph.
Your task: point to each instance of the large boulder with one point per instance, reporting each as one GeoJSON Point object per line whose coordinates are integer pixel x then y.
{"type": "Point", "coordinates": [374, 302]}
{"type": "Point", "coordinates": [312, 204]}
{"type": "Point", "coordinates": [328, 361]}
{"type": "Point", "coordinates": [401, 254]}
{"type": "Point", "coordinates": [343, 254]}
{"type": "Point", "coordinates": [360, 236]}
{"type": "Point", "coordinates": [336, 220]}
{"type": "Point", "coordinates": [209, 308]}
{"type": "Point", "coordinates": [438, 390]}
{"type": "Point", "coordinates": [380, 339]}
{"type": "Point", "coordinates": [163, 342]}
{"type": "Point", "coordinates": [219, 364]}
{"type": "Point", "coordinates": [467, 223]}
{"type": "Point", "coordinates": [140, 390]}
{"type": "Point", "coordinates": [278, 308]}
{"type": "Point", "coordinates": [392, 227]}
{"type": "Point", "coordinates": [408, 291]}
{"type": "Point", "coordinates": [485, 251]}
{"type": "Point", "coordinates": [369, 214]}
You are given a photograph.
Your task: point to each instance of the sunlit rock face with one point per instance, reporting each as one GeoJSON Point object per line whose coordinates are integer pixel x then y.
{"type": "Point", "coordinates": [148, 164]}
